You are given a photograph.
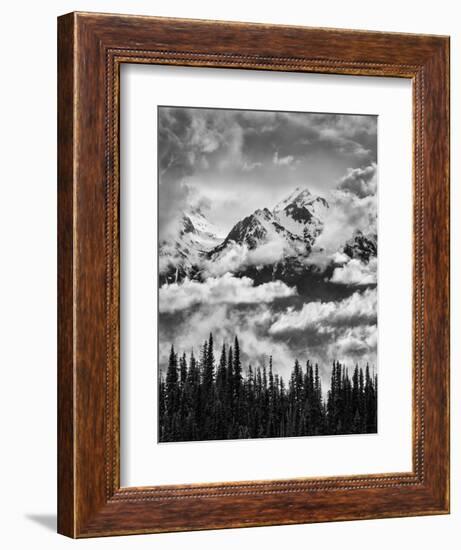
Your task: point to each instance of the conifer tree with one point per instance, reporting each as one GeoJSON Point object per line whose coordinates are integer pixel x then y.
{"type": "Point", "coordinates": [230, 382]}
{"type": "Point", "coordinates": [208, 366]}
{"type": "Point", "coordinates": [172, 383]}
{"type": "Point", "coordinates": [221, 375]}
{"type": "Point", "coordinates": [182, 371]}
{"type": "Point", "coordinates": [237, 369]}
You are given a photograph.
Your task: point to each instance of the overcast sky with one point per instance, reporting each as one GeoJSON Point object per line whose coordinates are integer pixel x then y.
{"type": "Point", "coordinates": [238, 161]}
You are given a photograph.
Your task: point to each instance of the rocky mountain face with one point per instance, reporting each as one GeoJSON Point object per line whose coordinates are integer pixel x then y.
{"type": "Point", "coordinates": [270, 244]}
{"type": "Point", "coordinates": [362, 247]}
{"type": "Point", "coordinates": [181, 257]}
{"type": "Point", "coordinates": [296, 220]}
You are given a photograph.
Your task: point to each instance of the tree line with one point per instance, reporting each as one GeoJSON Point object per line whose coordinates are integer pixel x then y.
{"type": "Point", "coordinates": [208, 399]}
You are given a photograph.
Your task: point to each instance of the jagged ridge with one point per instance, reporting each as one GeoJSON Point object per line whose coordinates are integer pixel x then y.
{"type": "Point", "coordinates": [293, 224]}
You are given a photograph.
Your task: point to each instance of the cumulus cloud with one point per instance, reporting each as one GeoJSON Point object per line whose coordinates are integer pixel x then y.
{"type": "Point", "coordinates": [239, 256]}
{"type": "Point", "coordinates": [248, 166]}
{"type": "Point", "coordinates": [344, 330]}
{"type": "Point", "coordinates": [232, 258]}
{"type": "Point", "coordinates": [340, 258]}
{"type": "Point", "coordinates": [362, 182]}
{"type": "Point", "coordinates": [353, 208]}
{"type": "Point", "coordinates": [223, 290]}
{"type": "Point", "coordinates": [357, 342]}
{"type": "Point", "coordinates": [360, 308]}
{"type": "Point", "coordinates": [282, 161]}
{"type": "Point", "coordinates": [347, 214]}
{"type": "Point", "coordinates": [268, 253]}
{"type": "Point", "coordinates": [356, 272]}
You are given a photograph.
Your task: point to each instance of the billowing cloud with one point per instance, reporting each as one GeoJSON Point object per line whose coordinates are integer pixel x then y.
{"type": "Point", "coordinates": [356, 272]}
{"type": "Point", "coordinates": [360, 181]}
{"type": "Point", "coordinates": [353, 208]}
{"type": "Point", "coordinates": [347, 215]}
{"type": "Point", "coordinates": [223, 290]}
{"type": "Point", "coordinates": [282, 161]}
{"type": "Point", "coordinates": [238, 256]}
{"type": "Point", "coordinates": [358, 309]}
{"type": "Point", "coordinates": [357, 343]}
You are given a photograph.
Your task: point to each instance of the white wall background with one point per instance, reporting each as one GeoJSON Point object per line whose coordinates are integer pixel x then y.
{"type": "Point", "coordinates": [28, 272]}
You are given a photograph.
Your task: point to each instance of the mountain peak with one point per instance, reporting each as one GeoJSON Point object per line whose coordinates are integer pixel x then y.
{"type": "Point", "coordinates": [263, 213]}
{"type": "Point", "coordinates": [298, 197]}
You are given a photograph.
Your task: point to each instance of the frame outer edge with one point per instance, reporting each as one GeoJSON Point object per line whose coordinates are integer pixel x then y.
{"type": "Point", "coordinates": [66, 497]}
{"type": "Point", "coordinates": [438, 207]}
{"type": "Point", "coordinates": [85, 508]}
{"type": "Point", "coordinates": [447, 51]}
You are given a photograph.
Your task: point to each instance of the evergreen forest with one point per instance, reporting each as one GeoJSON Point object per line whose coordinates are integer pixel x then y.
{"type": "Point", "coordinates": [213, 397]}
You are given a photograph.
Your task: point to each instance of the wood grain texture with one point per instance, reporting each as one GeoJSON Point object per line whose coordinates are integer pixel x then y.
{"type": "Point", "coordinates": [66, 471]}
{"type": "Point", "coordinates": [91, 49]}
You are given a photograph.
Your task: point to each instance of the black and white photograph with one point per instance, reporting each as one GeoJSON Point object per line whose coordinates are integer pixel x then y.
{"type": "Point", "coordinates": [267, 274]}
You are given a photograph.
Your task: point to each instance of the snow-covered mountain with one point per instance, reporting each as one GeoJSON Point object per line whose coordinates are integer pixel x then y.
{"type": "Point", "coordinates": [182, 256]}
{"type": "Point", "coordinates": [267, 244]}
{"type": "Point", "coordinates": [291, 227]}
{"type": "Point", "coordinates": [302, 214]}
{"type": "Point", "coordinates": [259, 228]}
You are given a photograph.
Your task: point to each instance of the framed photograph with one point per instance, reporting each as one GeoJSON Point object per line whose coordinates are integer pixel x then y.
{"type": "Point", "coordinates": [253, 275]}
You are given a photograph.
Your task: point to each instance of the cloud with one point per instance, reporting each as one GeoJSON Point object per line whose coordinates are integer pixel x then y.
{"type": "Point", "coordinates": [226, 321]}
{"type": "Point", "coordinates": [191, 141]}
{"type": "Point", "coordinates": [350, 135]}
{"type": "Point", "coordinates": [235, 257]}
{"type": "Point", "coordinates": [357, 342]}
{"type": "Point", "coordinates": [248, 166]}
{"type": "Point", "coordinates": [344, 330]}
{"type": "Point", "coordinates": [347, 215]}
{"type": "Point", "coordinates": [362, 182]}
{"type": "Point", "coordinates": [268, 253]}
{"type": "Point", "coordinates": [356, 272]}
{"type": "Point", "coordinates": [282, 161]}
{"type": "Point", "coordinates": [353, 208]}
{"type": "Point", "coordinates": [231, 259]}
{"type": "Point", "coordinates": [223, 290]}
{"type": "Point", "coordinates": [360, 308]}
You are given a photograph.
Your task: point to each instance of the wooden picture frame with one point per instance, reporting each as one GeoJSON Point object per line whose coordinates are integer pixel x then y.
{"type": "Point", "coordinates": [92, 48]}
